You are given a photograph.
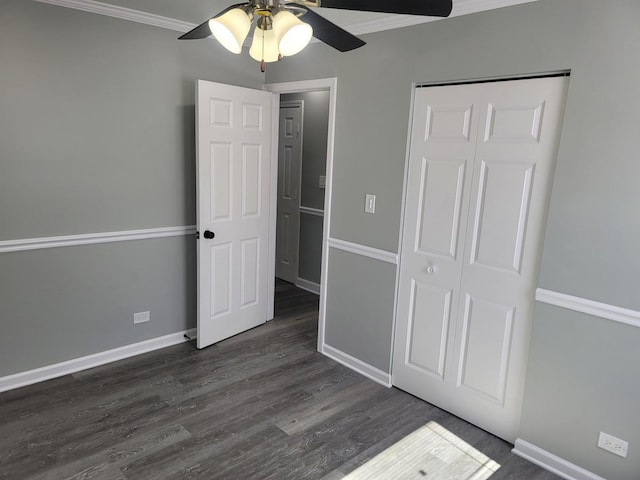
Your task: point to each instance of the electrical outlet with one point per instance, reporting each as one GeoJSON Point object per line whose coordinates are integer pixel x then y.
{"type": "Point", "coordinates": [612, 444]}
{"type": "Point", "coordinates": [141, 317]}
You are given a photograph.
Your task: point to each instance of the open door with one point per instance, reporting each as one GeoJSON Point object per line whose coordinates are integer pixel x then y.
{"type": "Point", "coordinates": [289, 165]}
{"type": "Point", "coordinates": [234, 190]}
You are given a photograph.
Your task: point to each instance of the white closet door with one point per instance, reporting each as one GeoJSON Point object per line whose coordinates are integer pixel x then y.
{"type": "Point", "coordinates": [518, 135]}
{"type": "Point", "coordinates": [515, 136]}
{"type": "Point", "coordinates": [439, 181]}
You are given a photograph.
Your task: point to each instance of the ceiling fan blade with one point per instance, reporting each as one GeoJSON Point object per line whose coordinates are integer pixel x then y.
{"type": "Point", "coordinates": [330, 33]}
{"type": "Point", "coordinates": [203, 30]}
{"type": "Point", "coordinates": [431, 8]}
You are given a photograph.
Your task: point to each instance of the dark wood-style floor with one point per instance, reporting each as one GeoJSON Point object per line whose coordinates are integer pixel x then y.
{"type": "Point", "coordinates": [263, 404]}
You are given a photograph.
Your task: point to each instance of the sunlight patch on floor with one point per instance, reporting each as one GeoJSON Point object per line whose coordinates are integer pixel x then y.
{"type": "Point", "coordinates": [431, 452]}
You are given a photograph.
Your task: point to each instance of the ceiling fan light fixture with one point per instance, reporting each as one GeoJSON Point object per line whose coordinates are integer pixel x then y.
{"type": "Point", "coordinates": [231, 29]}
{"type": "Point", "coordinates": [264, 46]}
{"type": "Point", "coordinates": [291, 33]}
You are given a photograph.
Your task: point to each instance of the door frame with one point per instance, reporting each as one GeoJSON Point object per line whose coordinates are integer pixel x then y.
{"type": "Point", "coordinates": [330, 85]}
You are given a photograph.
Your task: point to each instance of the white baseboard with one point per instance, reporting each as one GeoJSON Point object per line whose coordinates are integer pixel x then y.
{"type": "Point", "coordinates": [551, 462]}
{"type": "Point", "coordinates": [359, 366]}
{"type": "Point", "coordinates": [41, 374]}
{"type": "Point", "coordinates": [308, 285]}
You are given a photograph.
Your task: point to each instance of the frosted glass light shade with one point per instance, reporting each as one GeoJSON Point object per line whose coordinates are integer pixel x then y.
{"type": "Point", "coordinates": [231, 29]}
{"type": "Point", "coordinates": [267, 51]}
{"type": "Point", "coordinates": [292, 34]}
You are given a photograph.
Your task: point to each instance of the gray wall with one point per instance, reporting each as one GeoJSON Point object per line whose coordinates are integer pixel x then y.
{"type": "Point", "coordinates": [593, 230]}
{"type": "Point", "coordinates": [96, 135]}
{"type": "Point", "coordinates": [360, 294]}
{"type": "Point", "coordinates": [310, 248]}
{"type": "Point", "coordinates": [314, 164]}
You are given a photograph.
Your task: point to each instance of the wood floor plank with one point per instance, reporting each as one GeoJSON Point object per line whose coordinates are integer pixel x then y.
{"type": "Point", "coordinates": [260, 405]}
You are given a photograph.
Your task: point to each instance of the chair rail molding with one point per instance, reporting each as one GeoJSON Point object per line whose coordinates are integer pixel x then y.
{"type": "Point", "coordinates": [40, 243]}
{"type": "Point", "coordinates": [590, 307]}
{"type": "Point", "coordinates": [311, 211]}
{"type": "Point", "coordinates": [364, 250]}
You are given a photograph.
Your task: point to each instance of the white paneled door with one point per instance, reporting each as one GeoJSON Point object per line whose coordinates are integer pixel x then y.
{"type": "Point", "coordinates": [234, 135]}
{"type": "Point", "coordinates": [481, 165]}
{"type": "Point", "coordinates": [289, 164]}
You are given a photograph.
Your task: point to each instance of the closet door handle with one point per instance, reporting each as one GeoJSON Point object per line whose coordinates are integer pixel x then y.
{"type": "Point", "coordinates": [208, 234]}
{"type": "Point", "coordinates": [430, 269]}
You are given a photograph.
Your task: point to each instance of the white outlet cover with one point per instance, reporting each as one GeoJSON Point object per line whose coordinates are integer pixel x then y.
{"type": "Point", "coordinates": [612, 444]}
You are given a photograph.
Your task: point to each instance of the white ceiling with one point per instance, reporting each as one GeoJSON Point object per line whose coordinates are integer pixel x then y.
{"type": "Point", "coordinates": [197, 11]}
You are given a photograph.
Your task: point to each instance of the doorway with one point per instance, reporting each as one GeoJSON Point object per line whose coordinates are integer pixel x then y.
{"type": "Point", "coordinates": [237, 150]}
{"type": "Point", "coordinates": [315, 203]}
{"type": "Point", "coordinates": [302, 158]}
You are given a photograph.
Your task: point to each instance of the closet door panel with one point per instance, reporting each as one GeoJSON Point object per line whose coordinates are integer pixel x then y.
{"type": "Point", "coordinates": [480, 168]}
{"type": "Point", "coordinates": [443, 141]}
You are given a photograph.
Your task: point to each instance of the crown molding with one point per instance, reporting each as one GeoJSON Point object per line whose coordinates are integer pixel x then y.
{"type": "Point", "coordinates": [123, 13]}
{"type": "Point", "coordinates": [460, 7]}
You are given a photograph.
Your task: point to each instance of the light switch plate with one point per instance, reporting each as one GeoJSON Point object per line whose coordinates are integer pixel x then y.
{"type": "Point", "coordinates": [322, 182]}
{"type": "Point", "coordinates": [370, 203]}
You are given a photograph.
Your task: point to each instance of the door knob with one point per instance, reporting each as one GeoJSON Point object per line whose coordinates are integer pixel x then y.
{"type": "Point", "coordinates": [209, 234]}
{"type": "Point", "coordinates": [430, 268]}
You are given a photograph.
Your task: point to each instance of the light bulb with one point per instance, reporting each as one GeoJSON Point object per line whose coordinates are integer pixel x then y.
{"type": "Point", "coordinates": [264, 45]}
{"type": "Point", "coordinates": [292, 35]}
{"type": "Point", "coordinates": [231, 29]}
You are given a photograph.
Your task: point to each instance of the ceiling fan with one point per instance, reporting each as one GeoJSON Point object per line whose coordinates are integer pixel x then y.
{"type": "Point", "coordinates": [280, 32]}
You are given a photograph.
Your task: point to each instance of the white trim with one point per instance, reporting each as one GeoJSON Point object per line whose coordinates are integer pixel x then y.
{"type": "Point", "coordinates": [363, 250]}
{"type": "Point", "coordinates": [273, 205]}
{"type": "Point", "coordinates": [375, 374]}
{"type": "Point", "coordinates": [124, 14]}
{"type": "Point", "coordinates": [48, 372]}
{"type": "Point", "coordinates": [590, 307]}
{"type": "Point", "coordinates": [330, 84]}
{"type": "Point", "coordinates": [308, 285]}
{"type": "Point", "coordinates": [93, 238]}
{"type": "Point", "coordinates": [466, 7]}
{"type": "Point", "coordinates": [460, 8]}
{"type": "Point", "coordinates": [312, 211]}
{"type": "Point", "coordinates": [551, 462]}
{"type": "Point", "coordinates": [386, 22]}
